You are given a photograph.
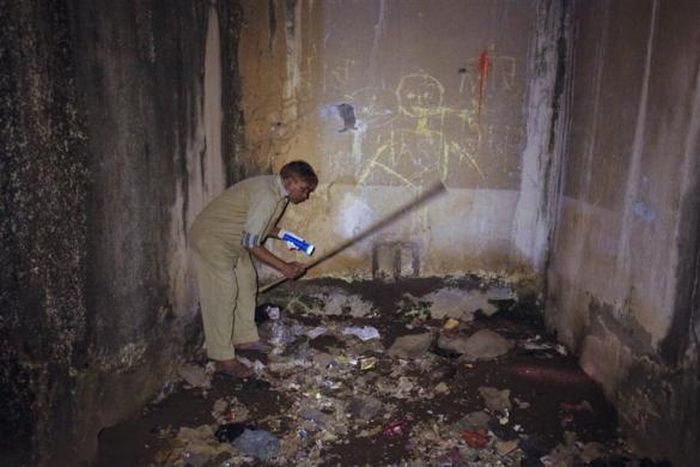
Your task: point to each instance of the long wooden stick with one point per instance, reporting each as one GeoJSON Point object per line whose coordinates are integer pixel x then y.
{"type": "Point", "coordinates": [434, 190]}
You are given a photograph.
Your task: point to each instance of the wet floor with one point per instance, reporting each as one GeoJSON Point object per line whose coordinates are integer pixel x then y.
{"type": "Point", "coordinates": [337, 391]}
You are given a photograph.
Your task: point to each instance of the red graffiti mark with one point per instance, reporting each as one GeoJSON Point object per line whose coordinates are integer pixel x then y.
{"type": "Point", "coordinates": [484, 64]}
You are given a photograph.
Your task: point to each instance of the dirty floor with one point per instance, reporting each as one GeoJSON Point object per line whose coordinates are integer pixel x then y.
{"type": "Point", "coordinates": [478, 382]}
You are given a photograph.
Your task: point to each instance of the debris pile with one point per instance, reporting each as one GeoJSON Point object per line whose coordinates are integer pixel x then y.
{"type": "Point", "coordinates": [352, 389]}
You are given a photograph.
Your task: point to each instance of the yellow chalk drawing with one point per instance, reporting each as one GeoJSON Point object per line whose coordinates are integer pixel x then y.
{"type": "Point", "coordinates": [462, 154]}
{"type": "Point", "coordinates": [419, 142]}
{"type": "Point", "coordinates": [420, 95]}
{"type": "Point", "coordinates": [406, 181]}
{"type": "Point", "coordinates": [338, 71]}
{"type": "Point", "coordinates": [506, 68]}
{"type": "Point", "coordinates": [502, 72]}
{"type": "Point", "coordinates": [418, 131]}
{"type": "Point", "coordinates": [370, 103]}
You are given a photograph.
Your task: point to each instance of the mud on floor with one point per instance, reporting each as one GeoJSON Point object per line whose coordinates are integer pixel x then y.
{"type": "Point", "coordinates": [478, 382]}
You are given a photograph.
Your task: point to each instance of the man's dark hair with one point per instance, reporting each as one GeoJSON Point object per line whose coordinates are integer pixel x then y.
{"type": "Point", "coordinates": [300, 169]}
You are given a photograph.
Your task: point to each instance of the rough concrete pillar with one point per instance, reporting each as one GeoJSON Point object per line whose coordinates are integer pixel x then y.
{"type": "Point", "coordinates": [548, 86]}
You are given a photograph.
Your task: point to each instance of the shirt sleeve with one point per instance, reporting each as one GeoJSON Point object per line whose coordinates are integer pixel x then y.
{"type": "Point", "coordinates": [262, 207]}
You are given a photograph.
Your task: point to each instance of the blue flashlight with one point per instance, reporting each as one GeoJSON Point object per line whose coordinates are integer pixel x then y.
{"type": "Point", "coordinates": [295, 242]}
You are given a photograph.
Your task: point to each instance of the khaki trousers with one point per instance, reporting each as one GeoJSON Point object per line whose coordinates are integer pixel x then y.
{"type": "Point", "coordinates": [227, 291]}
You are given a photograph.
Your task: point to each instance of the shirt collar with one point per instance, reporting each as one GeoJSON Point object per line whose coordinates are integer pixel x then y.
{"type": "Point", "coordinates": [280, 187]}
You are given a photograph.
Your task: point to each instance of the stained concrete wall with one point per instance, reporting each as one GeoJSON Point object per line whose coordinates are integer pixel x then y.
{"type": "Point", "coordinates": [111, 144]}
{"type": "Point", "coordinates": [623, 276]}
{"type": "Point", "coordinates": [387, 97]}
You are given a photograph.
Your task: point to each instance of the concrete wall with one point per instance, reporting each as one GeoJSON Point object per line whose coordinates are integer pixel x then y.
{"type": "Point", "coordinates": [111, 141]}
{"type": "Point", "coordinates": [387, 97]}
{"type": "Point", "coordinates": [623, 276]}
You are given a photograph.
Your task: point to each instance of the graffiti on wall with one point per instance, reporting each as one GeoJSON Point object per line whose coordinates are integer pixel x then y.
{"type": "Point", "coordinates": [419, 131]}
{"type": "Point", "coordinates": [416, 144]}
{"type": "Point", "coordinates": [410, 133]}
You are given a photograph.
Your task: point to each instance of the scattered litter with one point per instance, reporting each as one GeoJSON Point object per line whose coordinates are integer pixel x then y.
{"type": "Point", "coordinates": [504, 448]}
{"type": "Point", "coordinates": [315, 332]}
{"type": "Point", "coordinates": [459, 304]}
{"type": "Point", "coordinates": [251, 385]}
{"type": "Point", "coordinates": [473, 421]}
{"type": "Point", "coordinates": [560, 456]}
{"type": "Point", "coordinates": [312, 414]}
{"type": "Point", "coordinates": [319, 396]}
{"type": "Point", "coordinates": [256, 365]}
{"type": "Point", "coordinates": [592, 451]}
{"type": "Point", "coordinates": [195, 375]}
{"type": "Point", "coordinates": [496, 399]}
{"type": "Point", "coordinates": [341, 304]}
{"type": "Point", "coordinates": [277, 333]}
{"type": "Point", "coordinates": [257, 443]}
{"type": "Point", "coordinates": [521, 404]}
{"type": "Point", "coordinates": [402, 388]}
{"type": "Point", "coordinates": [364, 333]}
{"type": "Point", "coordinates": [165, 391]}
{"type": "Point", "coordinates": [220, 406]}
{"type": "Point", "coordinates": [367, 363]}
{"type": "Point", "coordinates": [442, 388]}
{"type": "Point", "coordinates": [247, 363]}
{"type": "Point", "coordinates": [265, 312]}
{"type": "Point", "coordinates": [450, 324]}
{"type": "Point", "coordinates": [452, 457]}
{"type": "Point", "coordinates": [500, 293]}
{"type": "Point", "coordinates": [394, 429]}
{"type": "Point", "coordinates": [364, 408]}
{"type": "Point", "coordinates": [323, 360]}
{"type": "Point", "coordinates": [199, 444]}
{"type": "Point", "coordinates": [537, 344]}
{"type": "Point", "coordinates": [411, 346]}
{"type": "Point", "coordinates": [482, 345]}
{"type": "Point", "coordinates": [229, 411]}
{"type": "Point", "coordinates": [230, 431]}
{"type": "Point", "coordinates": [475, 439]}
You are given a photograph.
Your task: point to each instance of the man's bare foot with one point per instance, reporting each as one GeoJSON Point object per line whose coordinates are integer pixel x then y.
{"type": "Point", "coordinates": [256, 346]}
{"type": "Point", "coordinates": [233, 368]}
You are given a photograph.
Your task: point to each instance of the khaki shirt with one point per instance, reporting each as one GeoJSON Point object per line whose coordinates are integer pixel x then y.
{"type": "Point", "coordinates": [241, 217]}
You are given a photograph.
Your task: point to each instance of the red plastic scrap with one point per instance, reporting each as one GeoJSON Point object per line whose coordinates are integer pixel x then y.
{"type": "Point", "coordinates": [475, 439]}
{"type": "Point", "coordinates": [395, 428]}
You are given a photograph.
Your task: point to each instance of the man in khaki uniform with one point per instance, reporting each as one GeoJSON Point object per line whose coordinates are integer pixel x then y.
{"type": "Point", "coordinates": [224, 235]}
